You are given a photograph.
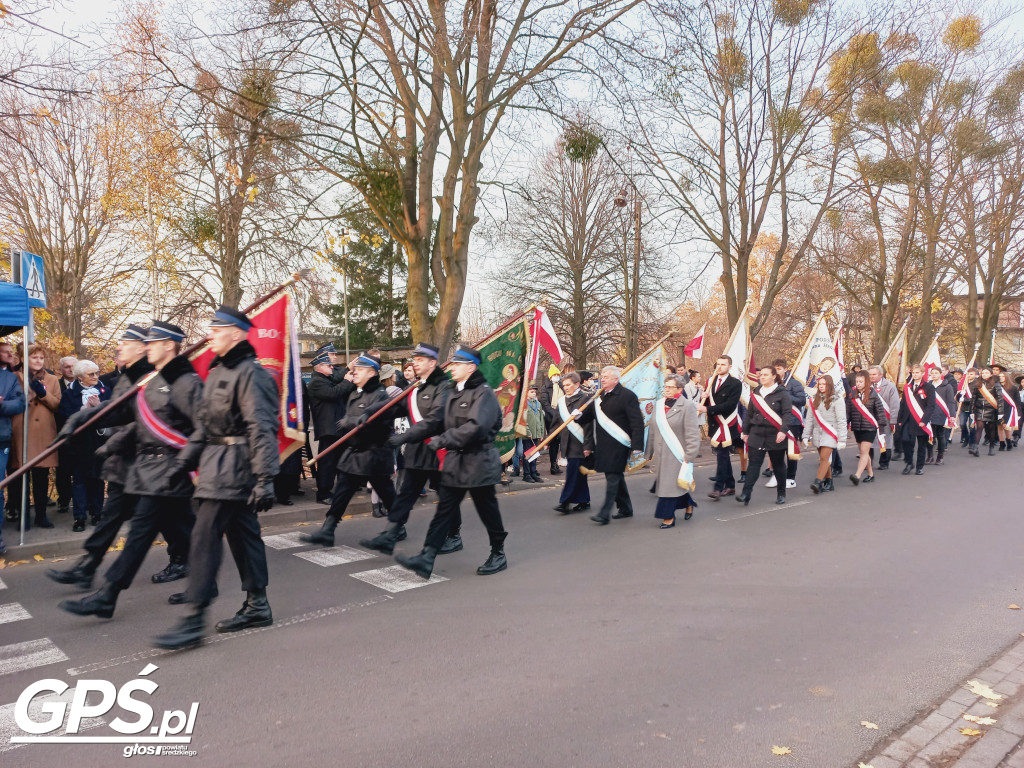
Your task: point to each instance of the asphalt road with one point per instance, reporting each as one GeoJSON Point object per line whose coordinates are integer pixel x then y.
{"type": "Point", "coordinates": [702, 646]}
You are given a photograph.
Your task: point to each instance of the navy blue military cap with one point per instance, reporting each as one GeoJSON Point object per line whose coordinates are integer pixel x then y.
{"type": "Point", "coordinates": [327, 348]}
{"type": "Point", "coordinates": [161, 330]}
{"type": "Point", "coordinates": [134, 333]}
{"type": "Point", "coordinates": [367, 361]}
{"type": "Point", "coordinates": [228, 316]}
{"type": "Point", "coordinates": [464, 354]}
{"type": "Point", "coordinates": [320, 358]}
{"type": "Point", "coordinates": [426, 350]}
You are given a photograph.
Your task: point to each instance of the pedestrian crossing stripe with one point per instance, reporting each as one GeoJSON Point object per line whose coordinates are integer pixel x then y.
{"type": "Point", "coordinates": [18, 657]}
{"type": "Point", "coordinates": [335, 556]}
{"type": "Point", "coordinates": [13, 612]}
{"type": "Point", "coordinates": [284, 540]}
{"type": "Point", "coordinates": [9, 726]}
{"type": "Point", "coordinates": [395, 579]}
{"type": "Point", "coordinates": [2, 585]}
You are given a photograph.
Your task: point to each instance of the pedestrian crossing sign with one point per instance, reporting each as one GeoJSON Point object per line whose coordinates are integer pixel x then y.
{"type": "Point", "coordinates": [33, 278]}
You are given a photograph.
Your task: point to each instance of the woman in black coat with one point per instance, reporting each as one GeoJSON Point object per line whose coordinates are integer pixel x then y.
{"type": "Point", "coordinates": [86, 391]}
{"type": "Point", "coordinates": [987, 399]}
{"type": "Point", "coordinates": [765, 431]}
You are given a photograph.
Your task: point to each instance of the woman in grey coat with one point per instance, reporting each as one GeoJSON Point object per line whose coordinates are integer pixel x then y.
{"type": "Point", "coordinates": [681, 420]}
{"type": "Point", "coordinates": [826, 430]}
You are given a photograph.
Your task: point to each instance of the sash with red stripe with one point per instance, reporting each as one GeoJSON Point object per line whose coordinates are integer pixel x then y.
{"type": "Point", "coordinates": [945, 409]}
{"type": "Point", "coordinates": [161, 430]}
{"type": "Point", "coordinates": [416, 416]}
{"type": "Point", "coordinates": [722, 435]}
{"type": "Point", "coordinates": [1011, 422]}
{"type": "Point", "coordinates": [769, 413]}
{"type": "Point", "coordinates": [821, 423]}
{"type": "Point", "coordinates": [916, 410]}
{"type": "Point", "coordinates": [888, 413]}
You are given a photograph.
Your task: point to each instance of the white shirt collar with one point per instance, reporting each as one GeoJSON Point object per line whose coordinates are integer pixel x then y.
{"type": "Point", "coordinates": [460, 386]}
{"type": "Point", "coordinates": [768, 390]}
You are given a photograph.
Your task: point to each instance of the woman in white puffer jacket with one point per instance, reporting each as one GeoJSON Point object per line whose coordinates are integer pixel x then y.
{"type": "Point", "coordinates": [826, 430]}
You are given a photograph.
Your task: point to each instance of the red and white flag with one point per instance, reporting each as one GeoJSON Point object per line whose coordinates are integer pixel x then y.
{"type": "Point", "coordinates": [932, 358]}
{"type": "Point", "coordinates": [840, 357]}
{"type": "Point", "coordinates": [542, 335]}
{"type": "Point", "coordinates": [695, 348]}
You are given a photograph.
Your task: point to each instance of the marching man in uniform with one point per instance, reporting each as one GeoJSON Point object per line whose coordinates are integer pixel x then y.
{"type": "Point", "coordinates": [328, 390]}
{"type": "Point", "coordinates": [234, 447]}
{"type": "Point", "coordinates": [722, 407]}
{"type": "Point", "coordinates": [577, 446]}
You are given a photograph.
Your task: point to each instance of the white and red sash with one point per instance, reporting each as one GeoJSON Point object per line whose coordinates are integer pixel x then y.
{"type": "Point", "coordinates": [722, 436]}
{"type": "Point", "coordinates": [916, 410]}
{"type": "Point", "coordinates": [945, 409]}
{"type": "Point", "coordinates": [798, 416]}
{"type": "Point", "coordinates": [1013, 419]}
{"type": "Point", "coordinates": [416, 416]}
{"type": "Point", "coordinates": [888, 413]}
{"type": "Point", "coordinates": [160, 429]}
{"type": "Point", "coordinates": [769, 413]}
{"type": "Point", "coordinates": [821, 422]}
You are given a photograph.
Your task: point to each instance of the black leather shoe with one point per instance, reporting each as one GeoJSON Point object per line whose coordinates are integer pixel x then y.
{"type": "Point", "coordinates": [907, 469]}
{"type": "Point", "coordinates": [101, 603]}
{"type": "Point", "coordinates": [43, 523]}
{"type": "Point", "coordinates": [663, 526]}
{"type": "Point", "coordinates": [743, 478]}
{"type": "Point", "coordinates": [689, 513]}
{"type": "Point", "coordinates": [868, 479]}
{"type": "Point", "coordinates": [556, 470]}
{"type": "Point", "coordinates": [324, 536]}
{"type": "Point", "coordinates": [495, 563]}
{"type": "Point", "coordinates": [188, 632]}
{"type": "Point", "coordinates": [385, 540]}
{"type": "Point", "coordinates": [172, 572]}
{"type": "Point", "coordinates": [78, 526]}
{"type": "Point", "coordinates": [743, 498]}
{"type": "Point", "coordinates": [780, 499]}
{"type": "Point", "coordinates": [422, 564]}
{"type": "Point", "coordinates": [80, 575]}
{"type": "Point", "coordinates": [255, 612]}
{"type": "Point", "coordinates": [178, 598]}
{"type": "Point", "coordinates": [837, 472]}
{"type": "Point", "coordinates": [816, 486]}
{"type": "Point", "coordinates": [620, 515]}
{"type": "Point", "coordinates": [378, 510]}
{"type": "Point", "coordinates": [600, 520]}
{"type": "Point", "coordinates": [854, 479]}
{"type": "Point", "coordinates": [581, 508]}
{"type": "Point", "coordinates": [563, 509]}
{"type": "Point", "coordinates": [323, 499]}
{"type": "Point", "coordinates": [919, 472]}
{"type": "Point", "coordinates": [451, 544]}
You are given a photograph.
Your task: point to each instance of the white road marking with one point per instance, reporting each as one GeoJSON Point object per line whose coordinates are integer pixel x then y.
{"type": "Point", "coordinates": [9, 728]}
{"type": "Point", "coordinates": [284, 540]}
{"type": "Point", "coordinates": [395, 579]}
{"type": "Point", "coordinates": [335, 555]}
{"type": "Point", "coordinates": [13, 612]}
{"type": "Point", "coordinates": [2, 585]}
{"type": "Point", "coordinates": [35, 653]}
{"type": "Point", "coordinates": [772, 508]}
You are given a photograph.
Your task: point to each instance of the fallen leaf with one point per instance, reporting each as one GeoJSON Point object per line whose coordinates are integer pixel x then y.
{"type": "Point", "coordinates": [781, 751]}
{"type": "Point", "coordinates": [58, 560]}
{"type": "Point", "coordinates": [978, 688]}
{"type": "Point", "coordinates": [662, 736]}
{"type": "Point", "coordinates": [970, 732]}
{"type": "Point", "coordinates": [869, 726]}
{"type": "Point", "coordinates": [991, 704]}
{"type": "Point", "coordinates": [159, 543]}
{"type": "Point", "coordinates": [1013, 607]}
{"type": "Point", "coordinates": [864, 765]}
{"type": "Point", "coordinates": [38, 558]}
{"type": "Point", "coordinates": [300, 524]}
{"type": "Point", "coordinates": [979, 720]}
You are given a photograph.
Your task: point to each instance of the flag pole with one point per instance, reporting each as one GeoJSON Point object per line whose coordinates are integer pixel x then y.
{"type": "Point", "coordinates": [960, 405]}
{"type": "Point", "coordinates": [531, 454]}
{"type": "Point", "coordinates": [102, 410]}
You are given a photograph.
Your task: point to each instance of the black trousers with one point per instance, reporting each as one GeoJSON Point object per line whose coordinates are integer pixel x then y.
{"type": "Point", "coordinates": [939, 443]}
{"type": "Point", "coordinates": [777, 456]}
{"type": "Point", "coordinates": [448, 515]}
{"type": "Point", "coordinates": [921, 442]}
{"type": "Point", "coordinates": [412, 484]}
{"type": "Point", "coordinates": [723, 471]}
{"type": "Point", "coordinates": [236, 521]}
{"type": "Point", "coordinates": [348, 485]}
{"type": "Point", "coordinates": [577, 487]}
{"type": "Point", "coordinates": [327, 467]}
{"type": "Point", "coordinates": [117, 510]}
{"type": "Point", "coordinates": [63, 477]}
{"type": "Point", "coordinates": [152, 514]}
{"type": "Point", "coordinates": [38, 494]}
{"type": "Point", "coordinates": [615, 494]}
{"type": "Point", "coordinates": [552, 451]}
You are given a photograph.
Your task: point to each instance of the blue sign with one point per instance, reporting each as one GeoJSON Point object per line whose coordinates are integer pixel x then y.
{"type": "Point", "coordinates": [33, 278]}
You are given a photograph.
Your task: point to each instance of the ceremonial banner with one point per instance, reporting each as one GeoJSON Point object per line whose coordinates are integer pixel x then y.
{"type": "Point", "coordinates": [503, 364]}
{"type": "Point", "coordinates": [646, 379]}
{"type": "Point", "coordinates": [840, 353]}
{"type": "Point", "coordinates": [818, 358]}
{"type": "Point", "coordinates": [276, 343]}
{"type": "Point", "coordinates": [695, 348]}
{"type": "Point", "coordinates": [542, 336]}
{"type": "Point", "coordinates": [894, 361]}
{"type": "Point", "coordinates": [932, 358]}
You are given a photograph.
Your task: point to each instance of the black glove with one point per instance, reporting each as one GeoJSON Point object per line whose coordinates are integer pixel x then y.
{"type": "Point", "coordinates": [262, 496]}
{"type": "Point", "coordinates": [102, 452]}
{"type": "Point", "coordinates": [178, 474]}
{"type": "Point", "coordinates": [37, 386]}
{"type": "Point", "coordinates": [395, 441]}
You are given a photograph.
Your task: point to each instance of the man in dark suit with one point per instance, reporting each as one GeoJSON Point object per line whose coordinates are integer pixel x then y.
{"type": "Point", "coordinates": [328, 392]}
{"type": "Point", "coordinates": [723, 399]}
{"type": "Point", "coordinates": [64, 457]}
{"type": "Point", "coordinates": [618, 430]}
{"type": "Point", "coordinates": [915, 419]}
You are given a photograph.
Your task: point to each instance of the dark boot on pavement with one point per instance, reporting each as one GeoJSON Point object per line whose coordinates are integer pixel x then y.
{"type": "Point", "coordinates": [179, 598]}
{"type": "Point", "coordinates": [101, 603]}
{"type": "Point", "coordinates": [80, 574]}
{"type": "Point", "coordinates": [255, 612]}
{"type": "Point", "coordinates": [495, 563]}
{"type": "Point", "coordinates": [938, 460]}
{"type": "Point", "coordinates": [188, 632]}
{"type": "Point", "coordinates": [385, 540]}
{"type": "Point", "coordinates": [991, 449]}
{"type": "Point", "coordinates": [176, 569]}
{"type": "Point", "coordinates": [452, 544]}
{"type": "Point", "coordinates": [422, 564]}
{"type": "Point", "coordinates": [325, 535]}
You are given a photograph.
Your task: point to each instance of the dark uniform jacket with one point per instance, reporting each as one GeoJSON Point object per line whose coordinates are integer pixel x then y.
{"type": "Point", "coordinates": [621, 406]}
{"type": "Point", "coordinates": [472, 419]}
{"type": "Point", "coordinates": [366, 452]}
{"type": "Point", "coordinates": [430, 398]}
{"type": "Point", "coordinates": [875, 406]}
{"type": "Point", "coordinates": [984, 411]}
{"type": "Point", "coordinates": [947, 393]}
{"type": "Point", "coordinates": [120, 446]}
{"type": "Point", "coordinates": [327, 396]}
{"type": "Point", "coordinates": [727, 398]}
{"type": "Point", "coordinates": [234, 443]}
{"type": "Point", "coordinates": [797, 394]}
{"type": "Point", "coordinates": [924, 395]}
{"type": "Point", "coordinates": [570, 447]}
{"type": "Point", "coordinates": [761, 432]}
{"type": "Point", "coordinates": [84, 461]}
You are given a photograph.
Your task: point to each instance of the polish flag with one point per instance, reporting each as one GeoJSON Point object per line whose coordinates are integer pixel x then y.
{"type": "Point", "coordinates": [696, 347]}
{"type": "Point", "coordinates": [543, 335]}
{"type": "Point", "coordinates": [932, 359]}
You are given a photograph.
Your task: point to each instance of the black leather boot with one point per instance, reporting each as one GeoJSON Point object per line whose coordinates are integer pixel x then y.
{"type": "Point", "coordinates": [452, 544]}
{"type": "Point", "coordinates": [385, 540]}
{"type": "Point", "coordinates": [325, 535]}
{"type": "Point", "coordinates": [422, 564]}
{"type": "Point", "coordinates": [188, 632]}
{"type": "Point", "coordinates": [178, 598]}
{"type": "Point", "coordinates": [101, 603]}
{"type": "Point", "coordinates": [992, 449]}
{"type": "Point", "coordinates": [80, 574]}
{"type": "Point", "coordinates": [255, 612]}
{"type": "Point", "coordinates": [495, 563]}
{"type": "Point", "coordinates": [176, 569]}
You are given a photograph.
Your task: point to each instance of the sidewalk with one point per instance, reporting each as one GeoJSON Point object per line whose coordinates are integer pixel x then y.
{"type": "Point", "coordinates": [992, 737]}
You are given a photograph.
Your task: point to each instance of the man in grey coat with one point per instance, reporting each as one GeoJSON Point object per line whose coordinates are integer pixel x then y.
{"type": "Point", "coordinates": [890, 395]}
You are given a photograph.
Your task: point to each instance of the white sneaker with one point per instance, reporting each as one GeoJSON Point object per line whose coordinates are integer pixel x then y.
{"type": "Point", "coordinates": [772, 483]}
{"type": "Point", "coordinates": [791, 483]}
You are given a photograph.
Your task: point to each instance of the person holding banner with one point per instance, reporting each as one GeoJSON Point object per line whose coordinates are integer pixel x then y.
{"type": "Point", "coordinates": [915, 420]}
{"type": "Point", "coordinates": [577, 447]}
{"type": "Point", "coordinates": [618, 430]}
{"type": "Point", "coordinates": [721, 404]}
{"type": "Point", "coordinates": [672, 446]}
{"type": "Point", "coordinates": [868, 420]}
{"type": "Point", "coordinates": [1011, 412]}
{"type": "Point", "coordinates": [328, 392]}
{"type": "Point", "coordinates": [890, 396]}
{"type": "Point", "coordinates": [768, 431]}
{"type": "Point", "coordinates": [942, 416]}
{"type": "Point", "coordinates": [826, 430]}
